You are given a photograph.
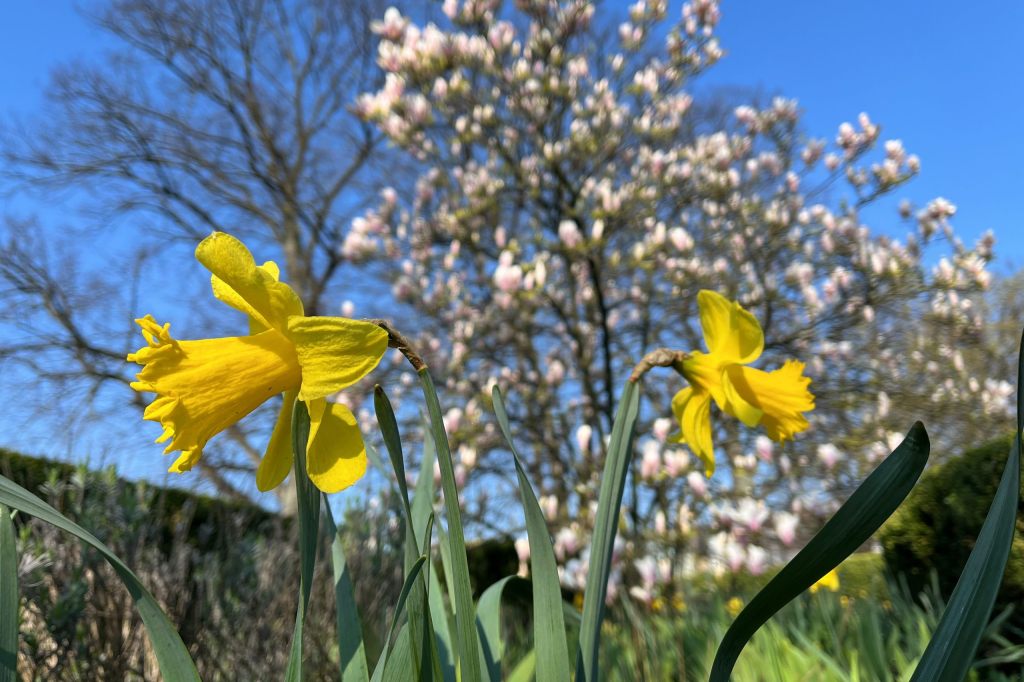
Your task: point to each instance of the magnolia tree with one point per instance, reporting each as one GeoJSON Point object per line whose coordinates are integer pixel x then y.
{"type": "Point", "coordinates": [575, 199]}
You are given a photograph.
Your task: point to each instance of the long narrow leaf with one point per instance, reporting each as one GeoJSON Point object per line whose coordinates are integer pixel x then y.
{"type": "Point", "coordinates": [423, 493]}
{"type": "Point", "coordinates": [951, 650]}
{"type": "Point", "coordinates": [523, 672]}
{"type": "Point", "coordinates": [403, 596]}
{"type": "Point", "coordinates": [488, 623]}
{"type": "Point", "coordinates": [399, 664]}
{"type": "Point", "coordinates": [866, 510]}
{"type": "Point", "coordinates": [419, 612]}
{"type": "Point", "coordinates": [429, 658]}
{"type": "Point", "coordinates": [548, 623]}
{"type": "Point", "coordinates": [349, 629]}
{"type": "Point", "coordinates": [465, 625]}
{"type": "Point", "coordinates": [8, 598]}
{"type": "Point", "coordinates": [171, 654]}
{"type": "Point", "coordinates": [308, 497]}
{"type": "Point", "coordinates": [392, 442]}
{"type": "Point", "coordinates": [422, 514]}
{"type": "Point", "coordinates": [613, 485]}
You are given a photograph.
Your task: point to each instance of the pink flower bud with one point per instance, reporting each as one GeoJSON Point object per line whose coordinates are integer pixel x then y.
{"type": "Point", "coordinates": [583, 436]}
{"type": "Point", "coordinates": [697, 483]}
{"type": "Point", "coordinates": [569, 233]}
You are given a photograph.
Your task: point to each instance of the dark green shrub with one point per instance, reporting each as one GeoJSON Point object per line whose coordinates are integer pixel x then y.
{"type": "Point", "coordinates": [216, 567]}
{"type": "Point", "coordinates": [936, 527]}
{"type": "Point", "coordinates": [862, 575]}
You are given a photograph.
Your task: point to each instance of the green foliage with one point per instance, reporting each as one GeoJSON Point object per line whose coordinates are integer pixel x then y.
{"type": "Point", "coordinates": [210, 564]}
{"type": "Point", "coordinates": [169, 510]}
{"type": "Point", "coordinates": [822, 637]}
{"type": "Point", "coordinates": [863, 576]}
{"type": "Point", "coordinates": [936, 528]}
{"type": "Point", "coordinates": [9, 601]}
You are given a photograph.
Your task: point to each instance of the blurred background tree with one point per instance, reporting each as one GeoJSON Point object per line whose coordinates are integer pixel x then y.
{"type": "Point", "coordinates": [575, 199]}
{"type": "Point", "coordinates": [233, 116]}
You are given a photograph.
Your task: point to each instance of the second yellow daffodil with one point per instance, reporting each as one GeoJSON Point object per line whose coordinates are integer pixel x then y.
{"type": "Point", "coordinates": [203, 387]}
{"type": "Point", "coordinates": [734, 339]}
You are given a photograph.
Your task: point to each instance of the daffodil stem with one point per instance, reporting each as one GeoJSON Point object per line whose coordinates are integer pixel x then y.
{"type": "Point", "coordinates": [397, 340]}
{"type": "Point", "coordinates": [661, 357]}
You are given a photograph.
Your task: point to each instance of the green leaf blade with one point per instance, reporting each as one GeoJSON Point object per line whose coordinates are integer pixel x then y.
{"type": "Point", "coordinates": [488, 623]}
{"type": "Point", "coordinates": [468, 645]}
{"type": "Point", "coordinates": [308, 497]}
{"type": "Point", "coordinates": [548, 622]}
{"type": "Point", "coordinates": [348, 626]}
{"type": "Point", "coordinates": [403, 596]}
{"type": "Point", "coordinates": [613, 486]}
{"type": "Point", "coordinates": [9, 598]}
{"type": "Point", "coordinates": [862, 514]}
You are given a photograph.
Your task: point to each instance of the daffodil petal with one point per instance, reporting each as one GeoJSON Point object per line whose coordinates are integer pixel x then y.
{"type": "Point", "coordinates": [731, 333]}
{"type": "Point", "coordinates": [735, 403]}
{"type": "Point", "coordinates": [224, 293]}
{"type": "Point", "coordinates": [335, 453]}
{"type": "Point", "coordinates": [693, 410]}
{"type": "Point", "coordinates": [205, 386]}
{"type": "Point", "coordinates": [679, 401]}
{"type": "Point", "coordinates": [334, 352]}
{"type": "Point", "coordinates": [277, 460]}
{"type": "Point", "coordinates": [240, 283]}
{"type": "Point", "coordinates": [186, 461]}
{"type": "Point", "coordinates": [704, 370]}
{"type": "Point", "coordinates": [781, 394]}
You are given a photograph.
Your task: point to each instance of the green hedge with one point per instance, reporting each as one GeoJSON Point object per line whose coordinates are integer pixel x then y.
{"type": "Point", "coordinates": [936, 528]}
{"type": "Point", "coordinates": [170, 506]}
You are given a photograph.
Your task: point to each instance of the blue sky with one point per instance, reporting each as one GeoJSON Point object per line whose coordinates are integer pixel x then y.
{"type": "Point", "coordinates": [945, 77]}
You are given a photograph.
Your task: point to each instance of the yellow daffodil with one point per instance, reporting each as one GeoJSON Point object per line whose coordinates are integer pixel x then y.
{"type": "Point", "coordinates": [773, 399]}
{"type": "Point", "coordinates": [203, 387]}
{"type": "Point", "coordinates": [829, 581]}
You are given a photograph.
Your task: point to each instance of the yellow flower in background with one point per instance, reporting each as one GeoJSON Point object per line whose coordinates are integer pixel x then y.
{"type": "Point", "coordinates": [830, 581]}
{"type": "Point", "coordinates": [734, 606]}
{"type": "Point", "coordinates": [734, 339]}
{"type": "Point", "coordinates": [203, 387]}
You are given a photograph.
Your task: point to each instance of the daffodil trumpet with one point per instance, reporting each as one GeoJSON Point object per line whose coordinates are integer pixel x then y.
{"type": "Point", "coordinates": [775, 400]}
{"type": "Point", "coordinates": [203, 387]}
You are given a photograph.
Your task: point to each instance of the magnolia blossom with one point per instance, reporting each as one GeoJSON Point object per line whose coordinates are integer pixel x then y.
{"type": "Point", "coordinates": [757, 559]}
{"type": "Point", "coordinates": [522, 546]}
{"type": "Point", "coordinates": [726, 552]}
{"type": "Point", "coordinates": [829, 454]}
{"type": "Point", "coordinates": [650, 463]}
{"type": "Point", "coordinates": [548, 254]}
{"type": "Point", "coordinates": [750, 514]}
{"type": "Point", "coordinates": [764, 447]}
{"type": "Point", "coordinates": [569, 233]}
{"type": "Point", "coordinates": [583, 436]}
{"type": "Point", "coordinates": [661, 429]}
{"type": "Point", "coordinates": [785, 527]}
{"type": "Point", "coordinates": [697, 483]}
